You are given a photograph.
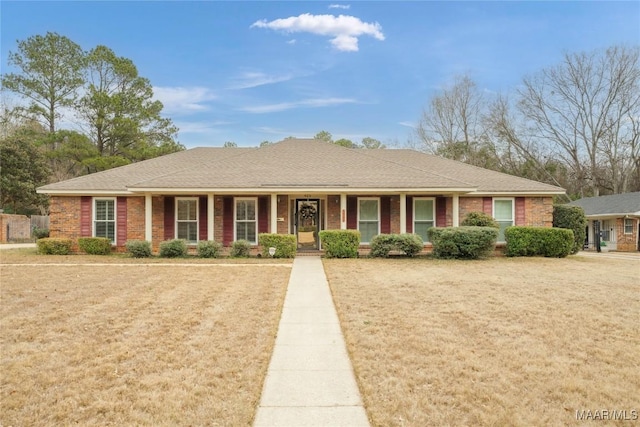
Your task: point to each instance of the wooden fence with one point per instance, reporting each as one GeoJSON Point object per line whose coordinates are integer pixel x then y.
{"type": "Point", "coordinates": [18, 228]}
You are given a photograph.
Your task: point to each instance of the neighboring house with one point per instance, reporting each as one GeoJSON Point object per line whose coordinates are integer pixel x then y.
{"type": "Point", "coordinates": [297, 186]}
{"type": "Point", "coordinates": [618, 217]}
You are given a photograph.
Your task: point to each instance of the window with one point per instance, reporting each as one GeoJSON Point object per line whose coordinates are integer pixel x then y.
{"type": "Point", "coordinates": [187, 219]}
{"type": "Point", "coordinates": [423, 216]}
{"type": "Point", "coordinates": [368, 218]}
{"type": "Point", "coordinates": [628, 226]}
{"type": "Point", "coordinates": [104, 218]}
{"type": "Point", "coordinates": [246, 221]}
{"type": "Point", "coordinates": [503, 214]}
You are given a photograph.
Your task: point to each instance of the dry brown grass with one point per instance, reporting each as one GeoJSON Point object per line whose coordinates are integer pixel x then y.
{"type": "Point", "coordinates": [135, 345]}
{"type": "Point", "coordinates": [497, 342]}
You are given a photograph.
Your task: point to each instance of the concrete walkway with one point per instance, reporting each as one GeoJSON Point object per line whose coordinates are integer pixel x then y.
{"type": "Point", "coordinates": [310, 381]}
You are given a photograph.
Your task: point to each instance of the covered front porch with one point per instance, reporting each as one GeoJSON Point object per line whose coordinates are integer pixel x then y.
{"type": "Point", "coordinates": [230, 217]}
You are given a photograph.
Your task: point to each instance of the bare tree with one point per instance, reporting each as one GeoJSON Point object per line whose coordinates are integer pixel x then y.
{"type": "Point", "coordinates": [452, 125]}
{"type": "Point", "coordinates": [585, 108]}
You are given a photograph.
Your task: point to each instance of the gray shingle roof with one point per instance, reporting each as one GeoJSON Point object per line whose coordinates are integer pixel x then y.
{"type": "Point", "coordinates": [623, 204]}
{"type": "Point", "coordinates": [298, 163]}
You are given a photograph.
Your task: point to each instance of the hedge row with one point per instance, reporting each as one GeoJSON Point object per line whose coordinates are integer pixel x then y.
{"type": "Point", "coordinates": [465, 242]}
{"type": "Point", "coordinates": [340, 243]}
{"type": "Point", "coordinates": [285, 245]}
{"type": "Point", "coordinates": [539, 241]}
{"type": "Point", "coordinates": [573, 218]}
{"type": "Point", "coordinates": [409, 244]}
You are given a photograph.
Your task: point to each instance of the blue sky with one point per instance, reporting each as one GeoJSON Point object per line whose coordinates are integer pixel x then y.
{"type": "Point", "coordinates": [254, 71]}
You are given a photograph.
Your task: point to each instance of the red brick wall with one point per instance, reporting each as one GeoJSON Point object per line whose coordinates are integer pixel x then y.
{"type": "Point", "coordinates": [157, 229]}
{"type": "Point", "coordinates": [626, 242]}
{"type": "Point", "coordinates": [467, 205]}
{"type": "Point", "coordinates": [283, 212]}
{"type": "Point", "coordinates": [538, 211]}
{"type": "Point", "coordinates": [64, 217]}
{"type": "Point", "coordinates": [333, 212]}
{"type": "Point", "coordinates": [135, 218]}
{"type": "Point", "coordinates": [395, 214]}
{"type": "Point", "coordinates": [218, 226]}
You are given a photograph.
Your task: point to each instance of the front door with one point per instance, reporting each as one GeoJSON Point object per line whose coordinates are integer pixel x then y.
{"type": "Point", "coordinates": [307, 218]}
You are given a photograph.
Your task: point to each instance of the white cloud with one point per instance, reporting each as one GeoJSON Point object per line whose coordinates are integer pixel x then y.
{"type": "Point", "coordinates": [343, 29]}
{"type": "Point", "coordinates": [339, 6]}
{"type": "Point", "coordinates": [253, 79]}
{"type": "Point", "coordinates": [292, 41]}
{"type": "Point", "coordinates": [307, 103]}
{"type": "Point", "coordinates": [408, 124]}
{"type": "Point", "coordinates": [178, 99]}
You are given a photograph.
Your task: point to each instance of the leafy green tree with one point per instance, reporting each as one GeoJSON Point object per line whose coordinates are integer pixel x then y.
{"type": "Point", "coordinates": [265, 143]}
{"type": "Point", "coordinates": [371, 143]}
{"type": "Point", "coordinates": [69, 154]}
{"type": "Point", "coordinates": [23, 168]}
{"type": "Point", "coordinates": [230, 144]}
{"type": "Point", "coordinates": [124, 121]}
{"type": "Point", "coordinates": [323, 135]}
{"type": "Point", "coordinates": [50, 72]}
{"type": "Point", "coordinates": [345, 143]}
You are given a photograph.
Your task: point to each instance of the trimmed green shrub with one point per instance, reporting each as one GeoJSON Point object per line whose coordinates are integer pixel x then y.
{"type": "Point", "coordinates": [340, 243]}
{"type": "Point", "coordinates": [285, 244]}
{"type": "Point", "coordinates": [138, 248]}
{"type": "Point", "coordinates": [573, 218]}
{"type": "Point", "coordinates": [95, 245]}
{"type": "Point", "coordinates": [40, 233]}
{"type": "Point", "coordinates": [381, 245]}
{"type": "Point", "coordinates": [479, 219]}
{"type": "Point", "coordinates": [209, 249]}
{"type": "Point", "coordinates": [408, 244]}
{"type": "Point", "coordinates": [463, 242]}
{"type": "Point", "coordinates": [173, 248]}
{"type": "Point", "coordinates": [539, 241]}
{"type": "Point", "coordinates": [54, 246]}
{"type": "Point", "coordinates": [240, 249]}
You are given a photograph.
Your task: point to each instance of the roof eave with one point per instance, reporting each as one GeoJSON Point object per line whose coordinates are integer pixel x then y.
{"type": "Point", "coordinates": [85, 192]}
{"type": "Point", "coordinates": [518, 193]}
{"type": "Point", "coordinates": [302, 189]}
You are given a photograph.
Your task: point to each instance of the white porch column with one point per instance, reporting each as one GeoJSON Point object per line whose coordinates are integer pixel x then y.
{"type": "Point", "coordinates": [403, 213]}
{"type": "Point", "coordinates": [210, 215]}
{"type": "Point", "coordinates": [148, 217]}
{"type": "Point", "coordinates": [455, 215]}
{"type": "Point", "coordinates": [343, 212]}
{"type": "Point", "coordinates": [274, 214]}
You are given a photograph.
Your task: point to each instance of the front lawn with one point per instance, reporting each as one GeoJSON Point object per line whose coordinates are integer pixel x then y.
{"type": "Point", "coordinates": [523, 341]}
{"type": "Point", "coordinates": [140, 344]}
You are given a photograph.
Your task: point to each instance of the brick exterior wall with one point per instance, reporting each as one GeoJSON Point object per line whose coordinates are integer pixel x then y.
{"type": "Point", "coordinates": [135, 218]}
{"type": "Point", "coordinates": [64, 214]}
{"type": "Point", "coordinates": [538, 211]}
{"type": "Point", "coordinates": [14, 227]}
{"type": "Point", "coordinates": [467, 205]}
{"type": "Point", "coordinates": [333, 212]}
{"type": "Point", "coordinates": [626, 242]}
{"type": "Point", "coordinates": [283, 212]}
{"type": "Point", "coordinates": [394, 208]}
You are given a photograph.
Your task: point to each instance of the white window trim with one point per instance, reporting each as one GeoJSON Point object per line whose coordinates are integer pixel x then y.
{"type": "Point", "coordinates": [115, 217]}
{"type": "Point", "coordinates": [358, 219]}
{"type": "Point", "coordinates": [513, 210]}
{"type": "Point", "coordinates": [413, 217]}
{"type": "Point", "coordinates": [197, 218]}
{"type": "Point", "coordinates": [624, 226]}
{"type": "Point", "coordinates": [235, 216]}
